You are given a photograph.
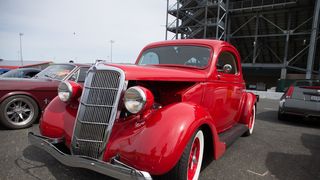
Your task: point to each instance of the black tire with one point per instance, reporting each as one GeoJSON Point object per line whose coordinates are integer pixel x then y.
{"type": "Point", "coordinates": [252, 121]}
{"type": "Point", "coordinates": [181, 169]}
{"type": "Point", "coordinates": [18, 111]}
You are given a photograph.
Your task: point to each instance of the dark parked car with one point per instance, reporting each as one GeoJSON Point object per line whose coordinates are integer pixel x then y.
{"type": "Point", "coordinates": [21, 73]}
{"type": "Point", "coordinates": [3, 70]}
{"type": "Point", "coordinates": [302, 98]}
{"type": "Point", "coordinates": [22, 100]}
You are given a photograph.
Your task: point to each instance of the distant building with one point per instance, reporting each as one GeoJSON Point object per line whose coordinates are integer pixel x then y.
{"type": "Point", "coordinates": [14, 64]}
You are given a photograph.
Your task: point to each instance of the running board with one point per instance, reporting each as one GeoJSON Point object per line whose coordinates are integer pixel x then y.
{"type": "Point", "coordinates": [232, 134]}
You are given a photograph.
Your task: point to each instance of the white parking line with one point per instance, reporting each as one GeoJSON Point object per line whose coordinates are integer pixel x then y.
{"type": "Point", "coordinates": [262, 175]}
{"type": "Point", "coordinates": [270, 109]}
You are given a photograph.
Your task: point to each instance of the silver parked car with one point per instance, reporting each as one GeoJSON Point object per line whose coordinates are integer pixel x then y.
{"type": "Point", "coordinates": [302, 98]}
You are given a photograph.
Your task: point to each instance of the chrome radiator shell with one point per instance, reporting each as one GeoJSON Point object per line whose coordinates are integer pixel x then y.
{"type": "Point", "coordinates": [97, 110]}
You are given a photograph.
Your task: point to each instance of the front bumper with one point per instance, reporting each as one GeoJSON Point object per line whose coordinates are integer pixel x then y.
{"type": "Point", "coordinates": [115, 169]}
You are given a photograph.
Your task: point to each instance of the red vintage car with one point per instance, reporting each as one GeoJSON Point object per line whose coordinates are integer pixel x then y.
{"type": "Point", "coordinates": [183, 101]}
{"type": "Point", "coordinates": [22, 100]}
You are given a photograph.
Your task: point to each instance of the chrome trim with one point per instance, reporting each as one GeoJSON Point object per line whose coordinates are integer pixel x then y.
{"type": "Point", "coordinates": [143, 96]}
{"type": "Point", "coordinates": [69, 89]}
{"type": "Point", "coordinates": [115, 168]}
{"type": "Point", "coordinates": [107, 129]}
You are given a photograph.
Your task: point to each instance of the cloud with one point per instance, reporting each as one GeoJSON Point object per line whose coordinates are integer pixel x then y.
{"type": "Point", "coordinates": [79, 29]}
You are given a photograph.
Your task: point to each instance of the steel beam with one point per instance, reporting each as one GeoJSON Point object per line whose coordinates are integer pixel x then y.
{"type": "Point", "coordinates": [275, 11]}
{"type": "Point", "coordinates": [269, 35]}
{"type": "Point", "coordinates": [166, 35]}
{"type": "Point", "coordinates": [206, 21]}
{"type": "Point", "coordinates": [218, 19]}
{"type": "Point", "coordinates": [263, 65]}
{"type": "Point", "coordinates": [272, 23]}
{"type": "Point", "coordinates": [313, 40]}
{"type": "Point", "coordinates": [255, 44]}
{"type": "Point", "coordinates": [177, 23]}
{"type": "Point", "coordinates": [226, 22]}
{"type": "Point", "coordinates": [264, 6]}
{"type": "Point", "coordinates": [285, 58]}
{"type": "Point", "coordinates": [244, 24]}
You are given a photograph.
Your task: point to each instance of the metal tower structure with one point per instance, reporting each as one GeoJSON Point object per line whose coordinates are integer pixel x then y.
{"type": "Point", "coordinates": [275, 37]}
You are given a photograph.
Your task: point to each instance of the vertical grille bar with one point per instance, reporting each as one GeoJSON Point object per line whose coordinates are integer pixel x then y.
{"type": "Point", "coordinates": [97, 110]}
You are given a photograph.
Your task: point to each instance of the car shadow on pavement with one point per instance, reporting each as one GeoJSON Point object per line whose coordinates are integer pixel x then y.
{"type": "Point", "coordinates": [271, 116]}
{"type": "Point", "coordinates": [297, 166]}
{"type": "Point", "coordinates": [40, 165]}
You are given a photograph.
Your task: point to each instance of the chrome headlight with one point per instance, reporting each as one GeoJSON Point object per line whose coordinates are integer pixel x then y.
{"type": "Point", "coordinates": [65, 91]}
{"type": "Point", "coordinates": [135, 99]}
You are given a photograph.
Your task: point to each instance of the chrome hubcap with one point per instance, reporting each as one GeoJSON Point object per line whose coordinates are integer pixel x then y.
{"type": "Point", "coordinates": [19, 112]}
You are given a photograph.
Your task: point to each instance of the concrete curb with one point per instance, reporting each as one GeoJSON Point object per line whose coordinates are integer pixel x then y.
{"type": "Point", "coordinates": [266, 94]}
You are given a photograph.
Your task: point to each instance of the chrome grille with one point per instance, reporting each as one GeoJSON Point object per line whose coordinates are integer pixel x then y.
{"type": "Point", "coordinates": [97, 110]}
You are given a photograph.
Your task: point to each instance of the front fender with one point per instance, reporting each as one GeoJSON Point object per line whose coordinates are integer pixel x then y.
{"type": "Point", "coordinates": [58, 119]}
{"type": "Point", "coordinates": [156, 144]}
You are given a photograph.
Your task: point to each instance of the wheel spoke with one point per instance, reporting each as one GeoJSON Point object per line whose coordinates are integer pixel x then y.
{"type": "Point", "coordinates": [26, 110]}
{"type": "Point", "coordinates": [10, 112]}
{"type": "Point", "coordinates": [24, 105]}
{"type": "Point", "coordinates": [12, 117]}
{"type": "Point", "coordinates": [21, 117]}
{"type": "Point", "coordinates": [16, 119]}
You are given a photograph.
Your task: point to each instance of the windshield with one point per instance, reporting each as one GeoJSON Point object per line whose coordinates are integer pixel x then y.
{"type": "Point", "coordinates": [13, 73]}
{"type": "Point", "coordinates": [196, 56]}
{"type": "Point", "coordinates": [57, 71]}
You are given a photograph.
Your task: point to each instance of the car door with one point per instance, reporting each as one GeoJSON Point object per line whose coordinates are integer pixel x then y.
{"type": "Point", "coordinates": [223, 91]}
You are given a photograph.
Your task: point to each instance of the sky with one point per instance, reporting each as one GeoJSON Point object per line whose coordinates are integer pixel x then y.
{"type": "Point", "coordinates": [79, 30]}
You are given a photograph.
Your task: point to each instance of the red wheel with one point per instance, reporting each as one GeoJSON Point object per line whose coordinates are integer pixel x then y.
{"type": "Point", "coordinates": [195, 157]}
{"type": "Point", "coordinates": [189, 165]}
{"type": "Point", "coordinates": [251, 122]}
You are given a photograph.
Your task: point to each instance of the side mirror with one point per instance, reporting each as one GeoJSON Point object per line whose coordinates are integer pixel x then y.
{"type": "Point", "coordinates": [227, 68]}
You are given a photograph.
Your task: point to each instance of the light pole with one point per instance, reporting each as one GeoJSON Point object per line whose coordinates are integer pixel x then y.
{"type": "Point", "coordinates": [111, 42]}
{"type": "Point", "coordinates": [21, 59]}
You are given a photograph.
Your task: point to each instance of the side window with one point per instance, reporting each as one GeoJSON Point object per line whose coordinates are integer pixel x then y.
{"type": "Point", "coordinates": [227, 63]}
{"type": "Point", "coordinates": [150, 58]}
{"type": "Point", "coordinates": [30, 74]}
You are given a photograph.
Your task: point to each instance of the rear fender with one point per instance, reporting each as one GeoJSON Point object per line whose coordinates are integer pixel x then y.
{"type": "Point", "coordinates": [156, 144]}
{"type": "Point", "coordinates": [248, 104]}
{"type": "Point", "coordinates": [20, 93]}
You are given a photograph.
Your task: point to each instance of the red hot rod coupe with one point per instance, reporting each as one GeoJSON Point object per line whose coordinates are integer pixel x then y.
{"type": "Point", "coordinates": [182, 101]}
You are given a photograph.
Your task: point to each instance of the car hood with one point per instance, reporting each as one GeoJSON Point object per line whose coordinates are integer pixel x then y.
{"type": "Point", "coordinates": [14, 84]}
{"type": "Point", "coordinates": [161, 73]}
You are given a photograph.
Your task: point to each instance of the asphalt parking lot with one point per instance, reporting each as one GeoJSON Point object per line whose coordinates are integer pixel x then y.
{"type": "Point", "coordinates": [277, 150]}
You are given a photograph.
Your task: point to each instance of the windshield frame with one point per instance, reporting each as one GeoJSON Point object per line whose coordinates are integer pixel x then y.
{"type": "Point", "coordinates": [177, 65]}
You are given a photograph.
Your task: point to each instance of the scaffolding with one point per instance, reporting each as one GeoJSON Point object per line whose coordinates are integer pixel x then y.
{"type": "Point", "coordinates": [276, 34]}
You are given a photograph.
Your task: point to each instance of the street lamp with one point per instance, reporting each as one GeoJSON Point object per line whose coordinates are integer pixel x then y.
{"type": "Point", "coordinates": [111, 42]}
{"type": "Point", "coordinates": [21, 59]}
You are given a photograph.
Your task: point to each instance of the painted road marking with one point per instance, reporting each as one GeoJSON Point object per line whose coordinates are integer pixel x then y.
{"type": "Point", "coordinates": [270, 109]}
{"type": "Point", "coordinates": [262, 175]}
